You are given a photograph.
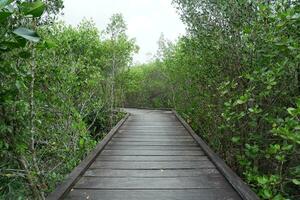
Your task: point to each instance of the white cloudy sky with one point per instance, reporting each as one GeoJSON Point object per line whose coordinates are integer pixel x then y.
{"type": "Point", "coordinates": [146, 19]}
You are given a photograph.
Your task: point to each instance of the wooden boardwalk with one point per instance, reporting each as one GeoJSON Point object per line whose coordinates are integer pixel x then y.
{"type": "Point", "coordinates": [152, 156]}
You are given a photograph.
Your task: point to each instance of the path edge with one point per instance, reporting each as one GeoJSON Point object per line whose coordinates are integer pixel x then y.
{"type": "Point", "coordinates": [236, 182]}
{"type": "Point", "coordinates": [66, 185]}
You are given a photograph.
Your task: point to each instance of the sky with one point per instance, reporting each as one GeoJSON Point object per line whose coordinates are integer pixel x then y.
{"type": "Point", "coordinates": [146, 20]}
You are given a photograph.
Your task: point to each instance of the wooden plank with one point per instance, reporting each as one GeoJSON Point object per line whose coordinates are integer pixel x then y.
{"type": "Point", "coordinates": [151, 158]}
{"type": "Point", "coordinates": [154, 132]}
{"type": "Point", "coordinates": [140, 132]}
{"type": "Point", "coordinates": [154, 147]}
{"type": "Point", "coordinates": [151, 140]}
{"type": "Point", "coordinates": [152, 165]}
{"type": "Point", "coordinates": [152, 120]}
{"type": "Point", "coordinates": [63, 188]}
{"type": "Point", "coordinates": [150, 143]}
{"type": "Point", "coordinates": [151, 153]}
{"type": "Point", "coordinates": [138, 109]}
{"type": "Point", "coordinates": [187, 194]}
{"type": "Point", "coordinates": [153, 128]}
{"type": "Point", "coordinates": [237, 183]}
{"type": "Point", "coordinates": [151, 173]}
{"type": "Point", "coordinates": [203, 181]}
{"type": "Point", "coordinates": [158, 137]}
{"type": "Point", "coordinates": [146, 127]}
{"type": "Point", "coordinates": [146, 123]}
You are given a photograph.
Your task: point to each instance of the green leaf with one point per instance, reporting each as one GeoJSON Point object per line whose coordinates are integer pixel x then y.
{"type": "Point", "coordinates": [243, 99]}
{"type": "Point", "coordinates": [239, 101]}
{"type": "Point", "coordinates": [27, 34]}
{"type": "Point", "coordinates": [262, 180]}
{"type": "Point", "coordinates": [81, 142]}
{"type": "Point", "coordinates": [18, 84]}
{"type": "Point", "coordinates": [296, 182]}
{"type": "Point", "coordinates": [34, 9]}
{"type": "Point", "coordinates": [287, 147]}
{"type": "Point", "coordinates": [279, 197]}
{"type": "Point", "coordinates": [4, 15]}
{"type": "Point", "coordinates": [280, 158]}
{"type": "Point", "coordinates": [235, 139]}
{"type": "Point", "coordinates": [291, 111]}
{"type": "Point", "coordinates": [4, 3]}
{"type": "Point", "coordinates": [267, 193]}
{"type": "Point", "coordinates": [48, 44]}
{"type": "Point", "coordinates": [296, 16]}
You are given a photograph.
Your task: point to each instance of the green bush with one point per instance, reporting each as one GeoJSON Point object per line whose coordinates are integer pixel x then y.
{"type": "Point", "coordinates": [55, 94]}
{"type": "Point", "coordinates": [235, 78]}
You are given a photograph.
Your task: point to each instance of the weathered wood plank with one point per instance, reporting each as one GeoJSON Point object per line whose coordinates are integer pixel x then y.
{"type": "Point", "coordinates": [154, 147]}
{"type": "Point", "coordinates": [159, 137]}
{"type": "Point", "coordinates": [153, 119]}
{"type": "Point", "coordinates": [187, 194]}
{"type": "Point", "coordinates": [151, 153]}
{"type": "Point", "coordinates": [152, 133]}
{"type": "Point", "coordinates": [181, 131]}
{"type": "Point", "coordinates": [151, 173]}
{"type": "Point", "coordinates": [152, 165]}
{"type": "Point", "coordinates": [151, 140]}
{"type": "Point", "coordinates": [145, 143]}
{"type": "Point", "coordinates": [146, 123]}
{"type": "Point", "coordinates": [203, 181]}
{"type": "Point", "coordinates": [154, 128]}
{"type": "Point", "coordinates": [141, 132]}
{"type": "Point", "coordinates": [151, 158]}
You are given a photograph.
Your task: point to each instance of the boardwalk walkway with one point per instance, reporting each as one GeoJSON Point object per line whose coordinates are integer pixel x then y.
{"type": "Point", "coordinates": [152, 157]}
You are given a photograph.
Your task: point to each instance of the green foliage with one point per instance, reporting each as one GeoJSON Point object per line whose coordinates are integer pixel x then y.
{"type": "Point", "coordinates": [144, 86]}
{"type": "Point", "coordinates": [235, 79]}
{"type": "Point", "coordinates": [55, 102]}
{"type": "Point", "coordinates": [34, 9]}
{"type": "Point", "coordinates": [27, 34]}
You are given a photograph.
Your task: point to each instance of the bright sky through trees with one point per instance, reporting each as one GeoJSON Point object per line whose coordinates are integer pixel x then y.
{"type": "Point", "coordinates": [146, 19]}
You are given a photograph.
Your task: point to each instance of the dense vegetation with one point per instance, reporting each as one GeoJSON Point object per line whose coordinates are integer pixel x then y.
{"type": "Point", "coordinates": [235, 77]}
{"type": "Point", "coordinates": [56, 91]}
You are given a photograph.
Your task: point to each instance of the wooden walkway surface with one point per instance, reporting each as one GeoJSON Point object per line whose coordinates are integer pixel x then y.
{"type": "Point", "coordinates": [152, 156]}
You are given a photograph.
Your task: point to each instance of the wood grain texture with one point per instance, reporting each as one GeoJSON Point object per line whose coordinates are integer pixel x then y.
{"type": "Point", "coordinates": [151, 158]}
{"type": "Point", "coordinates": [151, 143]}
{"type": "Point", "coordinates": [152, 153]}
{"type": "Point", "coordinates": [153, 147]}
{"type": "Point", "coordinates": [152, 140]}
{"type": "Point", "coordinates": [203, 181]}
{"type": "Point", "coordinates": [151, 172]}
{"type": "Point", "coordinates": [187, 194]}
{"type": "Point", "coordinates": [152, 165]}
{"type": "Point", "coordinates": [156, 137]}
